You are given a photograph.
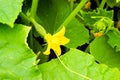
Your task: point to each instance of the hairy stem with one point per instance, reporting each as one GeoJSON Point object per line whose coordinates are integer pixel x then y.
{"type": "Point", "coordinates": [34, 8]}
{"type": "Point", "coordinates": [25, 19]}
{"type": "Point", "coordinates": [102, 4]}
{"type": "Point", "coordinates": [72, 15]}
{"type": "Point", "coordinates": [38, 27]}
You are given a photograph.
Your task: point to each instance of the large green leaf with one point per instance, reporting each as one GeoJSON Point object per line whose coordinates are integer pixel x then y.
{"type": "Point", "coordinates": [114, 40]}
{"type": "Point", "coordinates": [80, 62]}
{"type": "Point", "coordinates": [52, 13]}
{"type": "Point", "coordinates": [9, 10]}
{"type": "Point", "coordinates": [92, 17]}
{"type": "Point", "coordinates": [104, 53]}
{"type": "Point", "coordinates": [16, 58]}
{"type": "Point", "coordinates": [77, 33]}
{"type": "Point", "coordinates": [111, 3]}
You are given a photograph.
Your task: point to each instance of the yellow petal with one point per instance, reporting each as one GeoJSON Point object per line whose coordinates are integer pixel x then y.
{"type": "Point", "coordinates": [57, 50]}
{"type": "Point", "coordinates": [48, 38]}
{"type": "Point", "coordinates": [64, 41]}
{"type": "Point", "coordinates": [47, 52]}
{"type": "Point", "coordinates": [54, 42]}
{"type": "Point", "coordinates": [61, 32]}
{"type": "Point", "coordinates": [60, 35]}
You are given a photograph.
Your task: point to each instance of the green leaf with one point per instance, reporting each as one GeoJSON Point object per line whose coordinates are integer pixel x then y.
{"type": "Point", "coordinates": [104, 53]}
{"type": "Point", "coordinates": [37, 47]}
{"type": "Point", "coordinates": [94, 16]}
{"type": "Point", "coordinates": [77, 33]}
{"type": "Point", "coordinates": [117, 1]}
{"type": "Point", "coordinates": [111, 3]}
{"type": "Point", "coordinates": [16, 58]}
{"type": "Point", "coordinates": [80, 62]}
{"type": "Point", "coordinates": [52, 13]}
{"type": "Point", "coordinates": [9, 10]}
{"type": "Point", "coordinates": [114, 40]}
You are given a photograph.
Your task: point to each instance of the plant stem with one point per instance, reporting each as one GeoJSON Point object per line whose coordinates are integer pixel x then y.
{"type": "Point", "coordinates": [97, 2]}
{"type": "Point", "coordinates": [71, 4]}
{"type": "Point", "coordinates": [72, 15]}
{"type": "Point", "coordinates": [34, 8]}
{"type": "Point", "coordinates": [24, 18]}
{"type": "Point", "coordinates": [27, 21]}
{"type": "Point", "coordinates": [38, 27]}
{"type": "Point", "coordinates": [102, 4]}
{"type": "Point", "coordinates": [80, 18]}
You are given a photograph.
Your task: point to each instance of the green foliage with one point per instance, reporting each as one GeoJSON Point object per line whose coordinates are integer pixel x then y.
{"type": "Point", "coordinates": [104, 53]}
{"type": "Point", "coordinates": [80, 62]}
{"type": "Point", "coordinates": [117, 1]}
{"type": "Point", "coordinates": [114, 40]}
{"type": "Point", "coordinates": [72, 30]}
{"type": "Point", "coordinates": [24, 25]}
{"type": "Point", "coordinates": [94, 16]}
{"type": "Point", "coordinates": [52, 13]}
{"type": "Point", "coordinates": [111, 3]}
{"type": "Point", "coordinates": [16, 58]}
{"type": "Point", "coordinates": [9, 10]}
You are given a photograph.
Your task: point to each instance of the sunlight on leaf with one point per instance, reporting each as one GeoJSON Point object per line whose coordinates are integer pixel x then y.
{"type": "Point", "coordinates": [80, 62]}
{"type": "Point", "coordinates": [77, 33]}
{"type": "Point", "coordinates": [104, 53]}
{"type": "Point", "coordinates": [9, 10]}
{"type": "Point", "coordinates": [117, 1]}
{"type": "Point", "coordinates": [16, 58]}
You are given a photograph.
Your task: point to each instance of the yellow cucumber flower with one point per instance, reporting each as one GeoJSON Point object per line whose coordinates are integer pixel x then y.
{"type": "Point", "coordinates": [54, 42]}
